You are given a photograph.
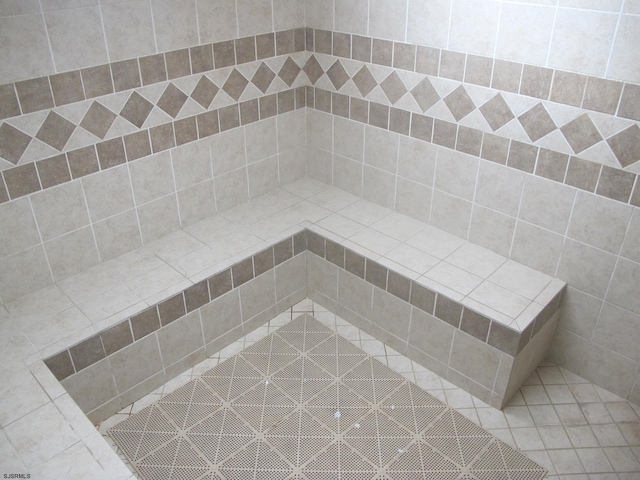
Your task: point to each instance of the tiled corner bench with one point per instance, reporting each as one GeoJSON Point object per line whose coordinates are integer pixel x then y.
{"type": "Point", "coordinates": [477, 319]}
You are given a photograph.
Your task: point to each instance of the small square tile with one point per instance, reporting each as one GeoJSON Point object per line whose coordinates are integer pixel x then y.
{"type": "Point", "coordinates": [552, 165]}
{"type": "Point", "coordinates": [9, 105]}
{"type": "Point", "coordinates": [422, 298]}
{"type": "Point", "coordinates": [393, 87]}
{"type": "Point", "coordinates": [581, 133]}
{"type": "Point", "coordinates": [536, 82]}
{"type": "Point", "coordinates": [568, 88]}
{"type": "Point", "coordinates": [495, 148]}
{"type": "Point", "coordinates": [153, 69]}
{"type": "Point", "coordinates": [136, 109]}
{"type": "Point", "coordinates": [445, 133]}
{"type": "Point", "coordinates": [286, 102]}
{"type": "Point", "coordinates": [268, 106]}
{"type": "Point", "coordinates": [448, 310]}
{"type": "Point", "coordinates": [242, 272]}
{"type": "Point", "coordinates": [55, 131]}
{"type": "Point", "coordinates": [137, 145]}
{"type": "Point", "coordinates": [178, 63]}
{"type": "Point", "coordinates": [83, 161]}
{"type": "Point", "coordinates": [67, 88]}
{"type": "Point", "coordinates": [246, 50]}
{"type": "Point", "coordinates": [283, 251]}
{"type": "Point", "coordinates": [196, 295]}
{"type": "Point", "coordinates": [428, 60]}
{"type": "Point", "coordinates": [313, 69]}
{"type": "Point", "coordinates": [496, 112]}
{"type": "Point", "coordinates": [399, 285]}
{"type": "Point", "coordinates": [404, 56]}
{"type": "Point", "coordinates": [34, 94]}
{"type": "Point", "coordinates": [625, 145]}
{"type": "Point", "coordinates": [469, 140]}
{"type": "Point", "coordinates": [399, 121]}
{"type": "Point", "coordinates": [289, 71]}
{"type": "Point", "coordinates": [208, 124]}
{"type": "Point", "coordinates": [478, 70]}
{"type": "Point", "coordinates": [162, 137]}
{"type": "Point", "coordinates": [378, 115]}
{"type": "Point", "coordinates": [204, 92]}
{"type": "Point", "coordinates": [537, 122]}
{"type": "Point", "coordinates": [229, 117]}
{"type": "Point", "coordinates": [201, 58]}
{"type": "Point", "coordinates": [615, 183]}
{"type": "Point", "coordinates": [235, 84]}
{"type": "Point", "coordinates": [452, 65]}
{"type": "Point", "coordinates": [629, 103]}
{"type": "Point", "coordinates": [249, 111]}
{"type": "Point", "coordinates": [111, 153]}
{"type": "Point", "coordinates": [13, 143]}
{"type": "Point", "coordinates": [522, 156]}
{"type": "Point", "coordinates": [53, 171]}
{"type": "Point", "coordinates": [172, 309]}
{"type": "Point", "coordinates": [342, 45]}
{"type": "Point", "coordinates": [126, 75]}
{"type": "Point", "coordinates": [323, 42]}
{"type": "Point", "coordinates": [220, 284]}
{"type": "Point", "coordinates": [359, 110]}
{"type": "Point", "coordinates": [97, 81]}
{"type": "Point", "coordinates": [583, 174]}
{"type": "Point", "coordinates": [145, 323]}
{"type": "Point", "coordinates": [381, 52]}
{"type": "Point", "coordinates": [224, 54]}
{"type": "Point", "coordinates": [361, 48]}
{"type": "Point", "coordinates": [172, 100]}
{"type": "Point", "coordinates": [263, 261]}
{"type": "Point", "coordinates": [602, 95]}
{"type": "Point", "coordinates": [87, 352]}
{"type": "Point", "coordinates": [265, 46]}
{"type": "Point", "coordinates": [421, 127]}
{"type": "Point", "coordinates": [354, 263]}
{"type": "Point", "coordinates": [60, 365]}
{"type": "Point", "coordinates": [284, 42]}
{"type": "Point", "coordinates": [98, 120]}
{"type": "Point", "coordinates": [186, 130]}
{"type": "Point", "coordinates": [116, 337]}
{"type": "Point", "coordinates": [506, 76]}
{"type": "Point", "coordinates": [475, 324]}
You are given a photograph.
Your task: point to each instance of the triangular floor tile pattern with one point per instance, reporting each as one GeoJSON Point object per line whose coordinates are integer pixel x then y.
{"type": "Point", "coordinates": [304, 403]}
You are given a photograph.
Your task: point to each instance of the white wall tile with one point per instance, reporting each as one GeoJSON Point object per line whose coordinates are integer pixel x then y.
{"type": "Point", "coordinates": [29, 54]}
{"type": "Point", "coordinates": [624, 286]}
{"type": "Point", "coordinates": [174, 22]}
{"type": "Point", "coordinates": [348, 138]}
{"type": "Point", "coordinates": [474, 26]}
{"type": "Point", "coordinates": [288, 14]}
{"type": "Point", "coordinates": [114, 184]}
{"type": "Point", "coordinates": [77, 38]}
{"type": "Point", "coordinates": [352, 16]}
{"type": "Point", "coordinates": [158, 218]}
{"type": "Point", "coordinates": [19, 230]}
{"type": "Point", "coordinates": [319, 14]}
{"type": "Point", "coordinates": [625, 58]}
{"type": "Point", "coordinates": [547, 204]}
{"type": "Point", "coordinates": [217, 20]}
{"type": "Point", "coordinates": [456, 173]}
{"type": "Point", "coordinates": [428, 22]}
{"type": "Point", "coordinates": [380, 149]}
{"type": "Point", "coordinates": [191, 164]}
{"type": "Point", "coordinates": [388, 19]}
{"type": "Point", "coordinates": [254, 17]}
{"type": "Point", "coordinates": [128, 29]}
{"type": "Point", "coordinates": [60, 210]}
{"type": "Point", "coordinates": [72, 253]}
{"type": "Point", "coordinates": [586, 268]}
{"type": "Point", "coordinates": [525, 33]}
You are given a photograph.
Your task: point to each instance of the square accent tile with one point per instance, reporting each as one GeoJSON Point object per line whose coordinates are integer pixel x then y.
{"type": "Point", "coordinates": [496, 112]}
{"type": "Point", "coordinates": [393, 87]}
{"type": "Point", "coordinates": [626, 145]}
{"type": "Point", "coordinates": [364, 81]}
{"type": "Point", "coordinates": [537, 122]}
{"type": "Point", "coordinates": [581, 133]}
{"type": "Point", "coordinates": [13, 143]}
{"type": "Point", "coordinates": [55, 131]}
{"type": "Point", "coordinates": [425, 94]}
{"type": "Point", "coordinates": [337, 74]}
{"type": "Point", "coordinates": [172, 100]}
{"type": "Point", "coordinates": [289, 71]}
{"type": "Point", "coordinates": [205, 92]}
{"type": "Point", "coordinates": [137, 109]}
{"type": "Point", "coordinates": [459, 103]}
{"type": "Point", "coordinates": [313, 69]}
{"type": "Point", "coordinates": [263, 77]}
{"type": "Point", "coordinates": [98, 120]}
{"type": "Point", "coordinates": [235, 84]}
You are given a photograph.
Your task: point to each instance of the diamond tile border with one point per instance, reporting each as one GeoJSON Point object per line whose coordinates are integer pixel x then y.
{"type": "Point", "coordinates": [309, 401]}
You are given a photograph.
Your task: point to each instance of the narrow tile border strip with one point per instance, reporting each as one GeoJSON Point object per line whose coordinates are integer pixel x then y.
{"type": "Point", "coordinates": [621, 185]}
{"type": "Point", "coordinates": [91, 350]}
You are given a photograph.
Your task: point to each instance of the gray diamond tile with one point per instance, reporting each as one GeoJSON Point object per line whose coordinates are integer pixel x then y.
{"type": "Point", "coordinates": [626, 145]}
{"type": "Point", "coordinates": [313, 69]}
{"type": "Point", "coordinates": [393, 87]}
{"type": "Point", "coordinates": [364, 81]}
{"type": "Point", "coordinates": [537, 122]}
{"type": "Point", "coordinates": [205, 92]}
{"type": "Point", "coordinates": [425, 94]}
{"type": "Point", "coordinates": [496, 112]}
{"type": "Point", "coordinates": [137, 109]}
{"type": "Point", "coordinates": [55, 131]}
{"type": "Point", "coordinates": [459, 103]}
{"type": "Point", "coordinates": [289, 71]}
{"type": "Point", "coordinates": [172, 100]}
{"type": "Point", "coordinates": [98, 120]}
{"type": "Point", "coordinates": [13, 143]}
{"type": "Point", "coordinates": [263, 77]}
{"type": "Point", "coordinates": [338, 75]}
{"type": "Point", "coordinates": [581, 133]}
{"type": "Point", "coordinates": [235, 84]}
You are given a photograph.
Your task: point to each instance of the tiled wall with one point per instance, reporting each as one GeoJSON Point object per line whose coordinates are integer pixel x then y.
{"type": "Point", "coordinates": [141, 125]}
{"type": "Point", "coordinates": [512, 125]}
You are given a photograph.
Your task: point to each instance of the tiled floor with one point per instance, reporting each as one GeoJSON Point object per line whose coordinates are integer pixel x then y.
{"type": "Point", "coordinates": [573, 428]}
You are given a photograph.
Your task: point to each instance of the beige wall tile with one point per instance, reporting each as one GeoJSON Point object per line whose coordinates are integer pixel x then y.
{"type": "Point", "coordinates": [262, 140]}
{"type": "Point", "coordinates": [547, 204]}
{"type": "Point", "coordinates": [624, 64]}
{"type": "Point", "coordinates": [33, 271]}
{"type": "Point", "coordinates": [451, 214]}
{"type": "Point", "coordinates": [537, 247]}
{"type": "Point", "coordinates": [499, 188]}
{"type": "Point", "coordinates": [380, 149]}
{"type": "Point", "coordinates": [618, 330]}
{"type": "Point", "coordinates": [288, 14]}
{"type": "Point", "coordinates": [231, 189]}
{"type": "Point", "coordinates": [474, 359]}
{"type": "Point", "coordinates": [456, 173]}
{"type": "Point", "coordinates": [388, 19]}
{"type": "Point", "coordinates": [254, 17]}
{"type": "Point", "coordinates": [217, 20]}
{"type": "Point", "coordinates": [128, 28]}
{"type": "Point", "coordinates": [227, 151]}
{"type": "Point", "coordinates": [348, 139]}
{"type": "Point", "coordinates": [19, 230]}
{"type": "Point", "coordinates": [29, 55]}
{"type": "Point", "coordinates": [586, 268]}
{"type": "Point", "coordinates": [474, 26]}
{"type": "Point", "coordinates": [319, 14]}
{"type": "Point", "coordinates": [19, 7]}
{"type": "Point", "coordinates": [77, 38]}
{"type": "Point", "coordinates": [492, 230]}
{"type": "Point", "coordinates": [263, 176]}
{"type": "Point", "coordinates": [174, 22]}
{"type": "Point", "coordinates": [158, 218]}
{"type": "Point", "coordinates": [624, 286]}
{"type": "Point", "coordinates": [117, 235]}
{"type": "Point", "coordinates": [525, 33]}
{"type": "Point", "coordinates": [581, 41]}
{"type": "Point", "coordinates": [428, 22]}
{"type": "Point", "coordinates": [191, 164]}
{"type": "Point", "coordinates": [152, 177]}
{"type": "Point", "coordinates": [72, 253]}
{"type": "Point", "coordinates": [60, 210]}
{"type": "Point", "coordinates": [352, 16]}
{"type": "Point", "coordinates": [113, 184]}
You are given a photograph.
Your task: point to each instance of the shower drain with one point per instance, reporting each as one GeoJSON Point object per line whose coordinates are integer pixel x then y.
{"type": "Point", "coordinates": [304, 403]}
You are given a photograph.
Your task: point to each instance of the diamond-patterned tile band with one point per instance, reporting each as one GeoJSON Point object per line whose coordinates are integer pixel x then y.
{"type": "Point", "coordinates": [57, 129]}
{"type": "Point", "coordinates": [305, 403]}
{"type": "Point", "coordinates": [535, 122]}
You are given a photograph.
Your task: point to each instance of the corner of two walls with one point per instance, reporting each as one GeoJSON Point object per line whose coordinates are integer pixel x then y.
{"type": "Point", "coordinates": [512, 126]}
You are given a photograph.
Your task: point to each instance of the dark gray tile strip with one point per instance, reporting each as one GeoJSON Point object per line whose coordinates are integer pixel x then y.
{"type": "Point", "coordinates": [105, 343]}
